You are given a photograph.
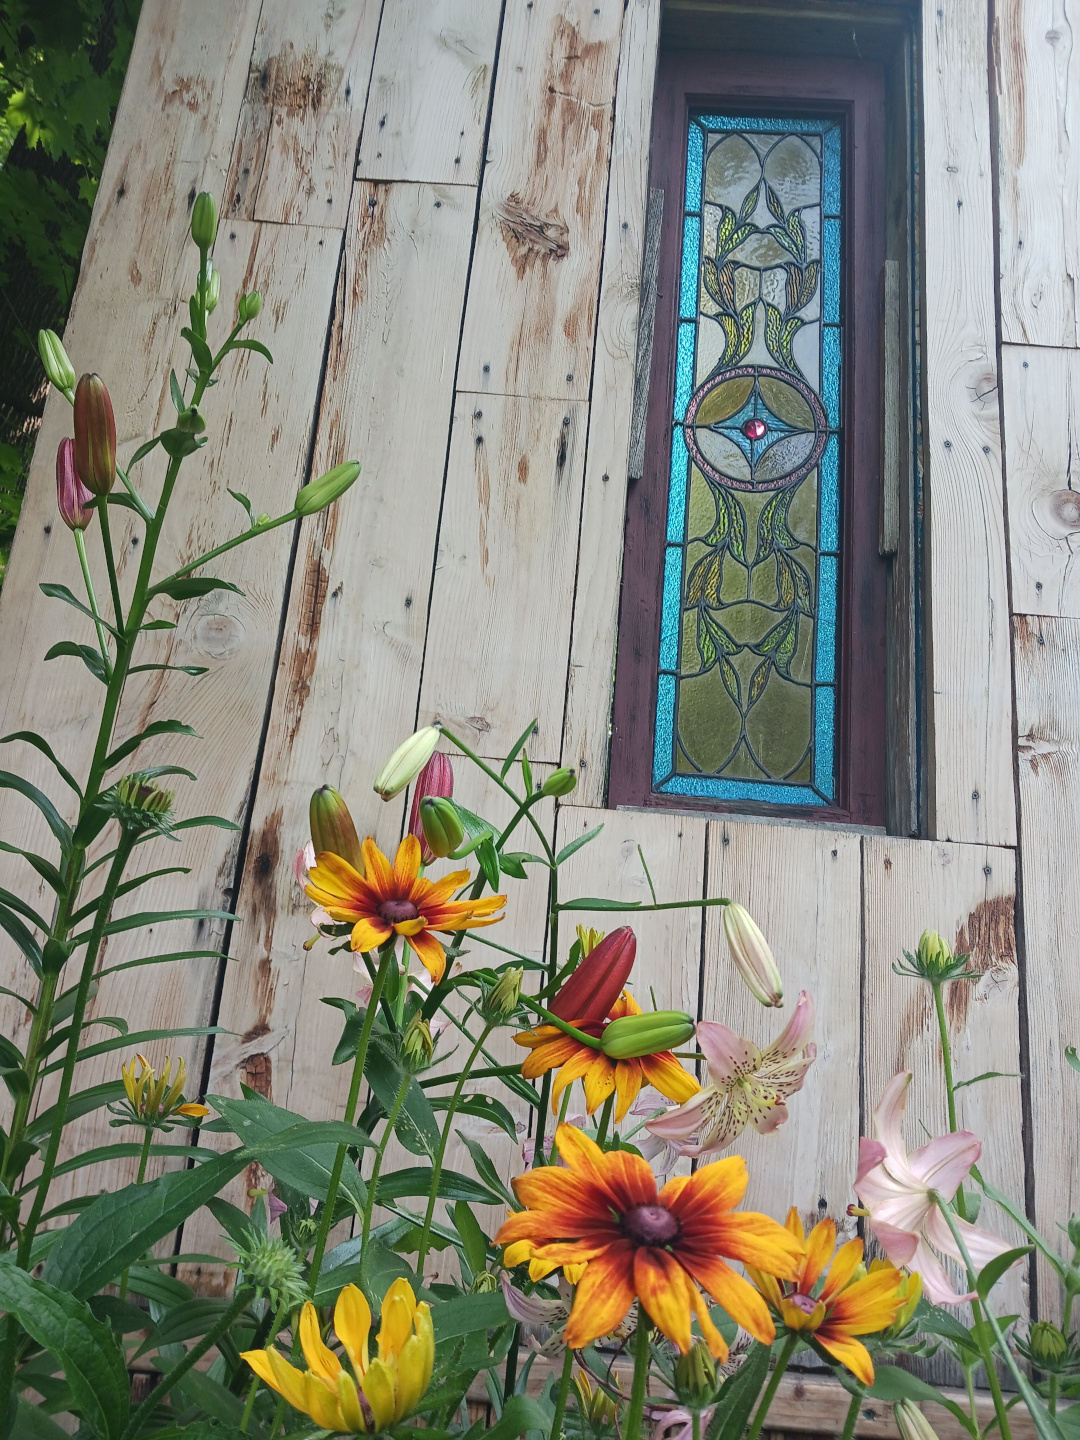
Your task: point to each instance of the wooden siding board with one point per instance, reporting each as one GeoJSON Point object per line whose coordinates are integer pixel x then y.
{"type": "Point", "coordinates": [429, 91]}
{"type": "Point", "coordinates": [968, 894]}
{"type": "Point", "coordinates": [1041, 390]}
{"type": "Point", "coordinates": [970, 771]}
{"type": "Point", "coordinates": [596, 607]}
{"type": "Point", "coordinates": [1047, 660]}
{"type": "Point", "coordinates": [303, 109]}
{"type": "Point", "coordinates": [531, 313]}
{"type": "Point", "coordinates": [802, 886]}
{"type": "Point", "coordinates": [1038, 101]}
{"type": "Point", "coordinates": [499, 633]}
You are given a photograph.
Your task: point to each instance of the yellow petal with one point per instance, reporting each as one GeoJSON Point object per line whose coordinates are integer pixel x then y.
{"type": "Point", "coordinates": [411, 1383]}
{"type": "Point", "coordinates": [574, 1273]}
{"type": "Point", "coordinates": [349, 1403]}
{"type": "Point", "coordinates": [396, 1321]}
{"type": "Point", "coordinates": [259, 1360]}
{"type": "Point", "coordinates": [321, 1360]}
{"type": "Point", "coordinates": [352, 1323]}
{"type": "Point", "coordinates": [321, 1402]}
{"type": "Point", "coordinates": [378, 1390]}
{"type": "Point", "coordinates": [286, 1380]}
{"type": "Point", "coordinates": [425, 1333]}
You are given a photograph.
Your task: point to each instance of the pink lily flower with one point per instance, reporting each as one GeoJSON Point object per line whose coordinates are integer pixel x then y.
{"type": "Point", "coordinates": [749, 1086]}
{"type": "Point", "coordinates": [895, 1188]}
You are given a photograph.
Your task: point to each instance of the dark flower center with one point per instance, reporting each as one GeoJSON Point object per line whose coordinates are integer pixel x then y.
{"type": "Point", "coordinates": [804, 1303]}
{"type": "Point", "coordinates": [394, 911]}
{"type": "Point", "coordinates": [650, 1225]}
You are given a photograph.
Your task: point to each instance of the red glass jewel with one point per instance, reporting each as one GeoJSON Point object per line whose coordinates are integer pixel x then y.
{"type": "Point", "coordinates": [754, 429]}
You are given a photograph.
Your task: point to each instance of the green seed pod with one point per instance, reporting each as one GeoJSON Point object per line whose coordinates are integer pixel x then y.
{"type": "Point", "coordinates": [636, 1035]}
{"type": "Point", "coordinates": [327, 488]}
{"type": "Point", "coordinates": [442, 825]}
{"type": "Point", "coordinates": [190, 421]}
{"type": "Point", "coordinates": [204, 220]}
{"type": "Point", "coordinates": [560, 782]}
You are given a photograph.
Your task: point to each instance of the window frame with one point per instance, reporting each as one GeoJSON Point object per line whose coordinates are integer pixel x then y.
{"type": "Point", "coordinates": [774, 85]}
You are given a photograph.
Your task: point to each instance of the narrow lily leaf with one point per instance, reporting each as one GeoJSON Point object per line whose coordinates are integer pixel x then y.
{"type": "Point", "coordinates": [190, 587]}
{"type": "Point", "coordinates": [46, 749]}
{"type": "Point", "coordinates": [16, 903]}
{"type": "Point", "coordinates": [575, 845]}
{"type": "Point", "coordinates": [138, 1037]}
{"type": "Point", "coordinates": [988, 1075]}
{"type": "Point", "coordinates": [90, 657]}
{"type": "Point", "coordinates": [592, 902]}
{"type": "Point", "coordinates": [199, 349]}
{"type": "Point", "coordinates": [481, 1107]}
{"type": "Point", "coordinates": [518, 743]}
{"type": "Point", "coordinates": [893, 1384]}
{"type": "Point", "coordinates": [164, 960]}
{"type": "Point", "coordinates": [176, 393]}
{"type": "Point", "coordinates": [218, 821]}
{"type": "Point", "coordinates": [158, 917]}
{"type": "Point", "coordinates": [82, 1103]}
{"type": "Point", "coordinates": [473, 1239]}
{"type": "Point", "coordinates": [59, 827]}
{"type": "Point", "coordinates": [156, 727]}
{"type": "Point", "coordinates": [144, 450]}
{"type": "Point", "coordinates": [416, 1180]}
{"type": "Point", "coordinates": [22, 937]}
{"type": "Point", "coordinates": [91, 906]}
{"type": "Point", "coordinates": [183, 669]}
{"type": "Point", "coordinates": [486, 1170]}
{"type": "Point", "coordinates": [252, 345]}
{"type": "Point", "coordinates": [992, 1272]}
{"type": "Point", "coordinates": [61, 592]}
{"type": "Point", "coordinates": [128, 1150]}
{"type": "Point", "coordinates": [1072, 1057]}
{"type": "Point", "coordinates": [242, 499]}
{"type": "Point", "coordinates": [48, 872]}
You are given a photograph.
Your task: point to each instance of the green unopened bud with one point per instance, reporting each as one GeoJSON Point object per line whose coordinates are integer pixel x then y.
{"type": "Point", "coordinates": [95, 435]}
{"type": "Point", "coordinates": [248, 306]}
{"type": "Point", "coordinates": [441, 822]}
{"type": "Point", "coordinates": [912, 1423]}
{"type": "Point", "coordinates": [327, 488]}
{"type": "Point", "coordinates": [560, 782]}
{"type": "Point", "coordinates": [274, 1268]}
{"type": "Point", "coordinates": [144, 795]}
{"type": "Point", "coordinates": [406, 762]}
{"type": "Point", "coordinates": [484, 1284]}
{"type": "Point", "coordinates": [597, 1405]}
{"type": "Point", "coordinates": [417, 1046]}
{"type": "Point", "coordinates": [695, 1376]}
{"type": "Point", "coordinates": [204, 220]}
{"type": "Point", "coordinates": [933, 954]}
{"type": "Point", "coordinates": [54, 357]}
{"type": "Point", "coordinates": [635, 1035]}
{"type": "Point", "coordinates": [1046, 1343]}
{"type": "Point", "coordinates": [332, 827]}
{"type": "Point", "coordinates": [502, 1000]}
{"type": "Point", "coordinates": [213, 288]}
{"type": "Point", "coordinates": [190, 421]}
{"type": "Point", "coordinates": [1074, 1231]}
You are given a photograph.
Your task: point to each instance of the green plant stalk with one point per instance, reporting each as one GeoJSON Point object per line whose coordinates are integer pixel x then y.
{"type": "Point", "coordinates": [505, 788]}
{"type": "Point", "coordinates": [969, 1386]}
{"type": "Point", "coordinates": [549, 980]}
{"type": "Point", "coordinates": [1066, 1321]}
{"type": "Point", "coordinates": [786, 1352]}
{"type": "Point", "coordinates": [241, 539]}
{"type": "Point", "coordinates": [561, 1394]}
{"type": "Point", "coordinates": [177, 1373]}
{"type": "Point", "coordinates": [103, 644]}
{"type": "Point", "coordinates": [510, 1370]}
{"type": "Point", "coordinates": [632, 1429]}
{"type": "Point", "coordinates": [106, 545]}
{"type": "Point", "coordinates": [946, 1061]}
{"type": "Point", "coordinates": [605, 1119]}
{"type": "Point", "coordinates": [139, 1178]}
{"type": "Point", "coordinates": [852, 1414]}
{"type": "Point", "coordinates": [436, 1173]}
{"type": "Point", "coordinates": [564, 1025]}
{"type": "Point", "coordinates": [391, 1121]}
{"type": "Point", "coordinates": [386, 956]}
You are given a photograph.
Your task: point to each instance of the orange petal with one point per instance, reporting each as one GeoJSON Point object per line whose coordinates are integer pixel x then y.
{"type": "Point", "coordinates": [713, 1188]}
{"type": "Point", "coordinates": [661, 1282]}
{"type": "Point", "coordinates": [850, 1353]}
{"type": "Point", "coordinates": [739, 1298]}
{"type": "Point", "coordinates": [437, 892]}
{"type": "Point", "coordinates": [430, 953]}
{"type": "Point", "coordinates": [406, 864]}
{"type": "Point", "coordinates": [754, 1239]}
{"type": "Point", "coordinates": [715, 1341]}
{"type": "Point", "coordinates": [548, 1054]}
{"type": "Point", "coordinates": [628, 1080]}
{"type": "Point", "coordinates": [665, 1074]}
{"type": "Point", "coordinates": [845, 1263]}
{"type": "Point", "coordinates": [377, 869]}
{"type": "Point", "coordinates": [369, 934]}
{"type": "Point", "coordinates": [819, 1247]}
{"type": "Point", "coordinates": [603, 1296]}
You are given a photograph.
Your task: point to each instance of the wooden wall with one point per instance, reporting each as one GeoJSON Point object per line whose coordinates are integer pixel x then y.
{"type": "Point", "coordinates": [443, 203]}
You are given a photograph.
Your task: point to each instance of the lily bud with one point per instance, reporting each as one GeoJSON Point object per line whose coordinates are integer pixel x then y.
{"type": "Point", "coordinates": [695, 1375]}
{"type": "Point", "coordinates": [204, 220]}
{"type": "Point", "coordinates": [417, 1044]}
{"type": "Point", "coordinates": [752, 956]}
{"type": "Point", "coordinates": [560, 782]}
{"type": "Point", "coordinates": [632, 1036]}
{"type": "Point", "coordinates": [436, 778]}
{"type": "Point", "coordinates": [248, 306]}
{"type": "Point", "coordinates": [442, 827]}
{"type": "Point", "coordinates": [213, 288]}
{"type": "Point", "coordinates": [502, 1000]}
{"type": "Point", "coordinates": [54, 357]}
{"type": "Point", "coordinates": [95, 435]}
{"type": "Point", "coordinates": [1046, 1343]}
{"type": "Point", "coordinates": [407, 761]}
{"type": "Point", "coordinates": [190, 421]}
{"type": "Point", "coordinates": [332, 827]}
{"type": "Point", "coordinates": [912, 1423]}
{"type": "Point", "coordinates": [326, 489]}
{"type": "Point", "coordinates": [73, 499]}
{"type": "Point", "coordinates": [598, 981]}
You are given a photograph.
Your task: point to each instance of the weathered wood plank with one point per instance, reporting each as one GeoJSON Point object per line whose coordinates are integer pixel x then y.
{"type": "Point", "coordinates": [499, 634]}
{"type": "Point", "coordinates": [308, 81]}
{"type": "Point", "coordinates": [1042, 419]}
{"type": "Point", "coordinates": [1047, 661]}
{"type": "Point", "coordinates": [967, 893]}
{"type": "Point", "coordinates": [531, 314]}
{"type": "Point", "coordinates": [1038, 84]}
{"type": "Point", "coordinates": [596, 611]}
{"type": "Point", "coordinates": [970, 769]}
{"type": "Point", "coordinates": [802, 887]}
{"type": "Point", "coordinates": [429, 91]}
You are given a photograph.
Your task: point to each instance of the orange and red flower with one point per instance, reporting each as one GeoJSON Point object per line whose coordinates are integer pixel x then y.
{"type": "Point", "coordinates": [657, 1247]}
{"type": "Point", "coordinates": [388, 900]}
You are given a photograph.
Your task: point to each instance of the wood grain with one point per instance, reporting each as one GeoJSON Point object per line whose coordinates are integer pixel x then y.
{"type": "Point", "coordinates": [1038, 85]}
{"type": "Point", "coordinates": [967, 893]}
{"type": "Point", "coordinates": [499, 634]}
{"type": "Point", "coordinates": [429, 91]}
{"type": "Point", "coordinates": [307, 84]}
{"type": "Point", "coordinates": [1047, 659]}
{"type": "Point", "coordinates": [596, 610]}
{"type": "Point", "coordinates": [970, 767]}
{"type": "Point", "coordinates": [531, 314]}
{"type": "Point", "coordinates": [802, 887]}
{"type": "Point", "coordinates": [1041, 391]}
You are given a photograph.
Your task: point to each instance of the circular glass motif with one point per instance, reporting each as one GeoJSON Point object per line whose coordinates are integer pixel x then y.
{"type": "Point", "coordinates": [755, 428]}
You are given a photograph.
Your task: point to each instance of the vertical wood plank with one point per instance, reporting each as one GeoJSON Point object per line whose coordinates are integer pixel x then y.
{"type": "Point", "coordinates": [499, 633]}
{"type": "Point", "coordinates": [429, 91]}
{"type": "Point", "coordinates": [531, 314]}
{"type": "Point", "coordinates": [303, 109]}
{"type": "Point", "coordinates": [802, 887]}
{"type": "Point", "coordinates": [596, 609]}
{"type": "Point", "coordinates": [1042, 425]}
{"type": "Point", "coordinates": [1047, 659]}
{"type": "Point", "coordinates": [970, 770]}
{"type": "Point", "coordinates": [967, 893]}
{"type": "Point", "coordinates": [1038, 84]}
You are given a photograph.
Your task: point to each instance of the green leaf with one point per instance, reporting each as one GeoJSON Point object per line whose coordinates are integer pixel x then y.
{"type": "Point", "coordinates": [992, 1272]}
{"type": "Point", "coordinates": [236, 1223]}
{"type": "Point", "coordinates": [417, 1128]}
{"type": "Point", "coordinates": [93, 1362]}
{"type": "Point", "coordinates": [1072, 1057]}
{"type": "Point", "coordinates": [520, 1414]}
{"type": "Point", "coordinates": [56, 823]}
{"type": "Point", "coordinates": [176, 393]}
{"type": "Point", "coordinates": [61, 592]}
{"type": "Point", "coordinates": [144, 450]}
{"type": "Point", "coordinates": [242, 499]}
{"type": "Point", "coordinates": [126, 1042]}
{"type": "Point", "coordinates": [473, 1240]}
{"type": "Point", "coordinates": [48, 872]}
{"type": "Point", "coordinates": [200, 351]}
{"type": "Point", "coordinates": [31, 1423]}
{"type": "Point", "coordinates": [469, 1314]}
{"type": "Point", "coordinates": [187, 1321]}
{"type": "Point", "coordinates": [156, 727]}
{"type": "Point", "coordinates": [575, 845]}
{"type": "Point", "coordinates": [252, 345]}
{"type": "Point", "coordinates": [488, 857]}
{"type": "Point", "coordinates": [416, 1180]}
{"type": "Point", "coordinates": [22, 938]}
{"type": "Point", "coordinates": [46, 749]}
{"type": "Point", "coordinates": [738, 1395]}
{"type": "Point", "coordinates": [190, 587]}
{"type": "Point", "coordinates": [893, 1384]}
{"type": "Point", "coordinates": [164, 959]}
{"type": "Point", "coordinates": [218, 821]}
{"type": "Point", "coordinates": [486, 1170]}
{"type": "Point", "coordinates": [158, 917]}
{"type": "Point", "coordinates": [183, 669]}
{"type": "Point", "coordinates": [596, 902]}
{"type": "Point", "coordinates": [128, 886]}
{"type": "Point", "coordinates": [988, 1075]}
{"type": "Point", "coordinates": [481, 1107]}
{"type": "Point", "coordinates": [518, 743]}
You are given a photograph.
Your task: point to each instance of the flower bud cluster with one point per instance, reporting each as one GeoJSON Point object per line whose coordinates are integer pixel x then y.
{"type": "Point", "coordinates": [695, 1376]}
{"type": "Point", "coordinates": [154, 1100]}
{"type": "Point", "coordinates": [274, 1268]}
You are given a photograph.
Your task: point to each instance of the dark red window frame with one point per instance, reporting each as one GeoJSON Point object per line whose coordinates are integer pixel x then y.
{"type": "Point", "coordinates": [769, 85]}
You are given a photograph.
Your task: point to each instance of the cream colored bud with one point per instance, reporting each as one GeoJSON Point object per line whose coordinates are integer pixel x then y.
{"type": "Point", "coordinates": [912, 1423]}
{"type": "Point", "coordinates": [752, 956]}
{"type": "Point", "coordinates": [406, 762]}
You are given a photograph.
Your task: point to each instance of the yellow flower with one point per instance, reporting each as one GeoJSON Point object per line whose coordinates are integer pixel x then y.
{"type": "Point", "coordinates": [524, 1250]}
{"type": "Point", "coordinates": [377, 1393]}
{"type": "Point", "coordinates": [156, 1098]}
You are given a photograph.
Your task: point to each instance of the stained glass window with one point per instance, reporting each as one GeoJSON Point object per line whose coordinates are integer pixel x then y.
{"type": "Point", "coordinates": [746, 698]}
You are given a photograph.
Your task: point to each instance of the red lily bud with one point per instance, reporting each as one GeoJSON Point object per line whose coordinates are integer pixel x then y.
{"type": "Point", "coordinates": [435, 779]}
{"type": "Point", "coordinates": [73, 499]}
{"type": "Point", "coordinates": [95, 435]}
{"type": "Point", "coordinates": [598, 981]}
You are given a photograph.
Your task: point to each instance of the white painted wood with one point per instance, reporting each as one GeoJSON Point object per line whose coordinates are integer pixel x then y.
{"type": "Point", "coordinates": [429, 91]}
{"type": "Point", "coordinates": [971, 785]}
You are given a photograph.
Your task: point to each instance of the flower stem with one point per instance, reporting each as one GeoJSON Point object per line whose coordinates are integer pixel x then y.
{"type": "Point", "coordinates": [969, 1385]}
{"type": "Point", "coordinates": [605, 1120]}
{"type": "Point", "coordinates": [632, 1430]}
{"type": "Point", "coordinates": [773, 1385]}
{"type": "Point", "coordinates": [563, 1392]}
{"type": "Point", "coordinates": [386, 956]}
{"type": "Point", "coordinates": [391, 1121]}
{"type": "Point", "coordinates": [106, 545]}
{"type": "Point", "coordinates": [852, 1414]}
{"type": "Point", "coordinates": [103, 644]}
{"type": "Point", "coordinates": [139, 1178]}
{"type": "Point", "coordinates": [946, 1060]}
{"type": "Point", "coordinates": [695, 1425]}
{"type": "Point", "coordinates": [552, 972]}
{"type": "Point", "coordinates": [436, 1173]}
